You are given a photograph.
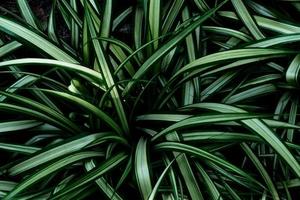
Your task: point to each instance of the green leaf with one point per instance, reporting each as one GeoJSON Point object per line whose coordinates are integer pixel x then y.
{"type": "Point", "coordinates": [54, 152]}
{"type": "Point", "coordinates": [228, 32]}
{"type": "Point", "coordinates": [99, 171]}
{"type": "Point", "coordinates": [27, 13]}
{"type": "Point", "coordinates": [48, 170]}
{"type": "Point", "coordinates": [87, 106]}
{"type": "Point", "coordinates": [218, 136]}
{"type": "Point", "coordinates": [7, 185]}
{"type": "Point", "coordinates": [171, 16]}
{"type": "Point", "coordinates": [103, 183]}
{"type": "Point", "coordinates": [189, 90]}
{"type": "Point", "coordinates": [90, 75]}
{"type": "Point", "coordinates": [34, 39]}
{"type": "Point", "coordinates": [261, 170]}
{"type": "Point", "coordinates": [138, 28]}
{"type": "Point", "coordinates": [247, 18]}
{"type": "Point", "coordinates": [154, 20]}
{"type": "Point", "coordinates": [292, 72]}
{"type": "Point", "coordinates": [9, 48]}
{"type": "Point", "coordinates": [213, 191]}
{"type": "Point", "coordinates": [125, 173]}
{"type": "Point", "coordinates": [74, 27]}
{"type": "Point", "coordinates": [251, 93]}
{"type": "Point", "coordinates": [274, 41]}
{"type": "Point", "coordinates": [71, 12]}
{"type": "Point", "coordinates": [205, 119]}
{"type": "Point", "coordinates": [158, 182]}
{"type": "Point", "coordinates": [142, 171]}
{"type": "Point", "coordinates": [261, 129]}
{"type": "Point", "coordinates": [266, 23]}
{"type": "Point", "coordinates": [211, 60]}
{"type": "Point", "coordinates": [106, 20]}
{"type": "Point", "coordinates": [18, 148]}
{"type": "Point", "coordinates": [218, 84]}
{"type": "Point", "coordinates": [186, 170]}
{"type": "Point", "coordinates": [201, 154]}
{"type": "Point", "coordinates": [34, 114]}
{"type": "Point", "coordinates": [18, 125]}
{"type": "Point", "coordinates": [110, 83]}
{"type": "Point", "coordinates": [61, 119]}
{"type": "Point", "coordinates": [292, 118]}
{"type": "Point", "coordinates": [52, 24]}
{"type": "Point", "coordinates": [168, 46]}
{"type": "Point", "coordinates": [118, 20]}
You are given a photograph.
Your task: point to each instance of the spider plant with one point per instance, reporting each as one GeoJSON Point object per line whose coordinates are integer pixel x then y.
{"type": "Point", "coordinates": [149, 99]}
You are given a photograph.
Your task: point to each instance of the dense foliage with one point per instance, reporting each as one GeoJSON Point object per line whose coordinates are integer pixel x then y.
{"type": "Point", "coordinates": [149, 99]}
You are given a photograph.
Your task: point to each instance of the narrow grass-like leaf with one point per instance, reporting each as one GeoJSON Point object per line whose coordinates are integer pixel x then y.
{"type": "Point", "coordinates": [52, 24]}
{"type": "Point", "coordinates": [260, 128]}
{"type": "Point", "coordinates": [266, 23]}
{"type": "Point", "coordinates": [217, 85]}
{"type": "Point", "coordinates": [205, 119]}
{"type": "Point", "coordinates": [154, 19]}
{"type": "Point", "coordinates": [189, 90]}
{"type": "Point", "coordinates": [100, 170]}
{"type": "Point", "coordinates": [74, 27]}
{"type": "Point", "coordinates": [292, 118]}
{"type": "Point", "coordinates": [232, 193]}
{"type": "Point", "coordinates": [71, 12]}
{"type": "Point", "coordinates": [230, 55]}
{"type": "Point", "coordinates": [202, 5]}
{"type": "Point", "coordinates": [138, 28]}
{"type": "Point", "coordinates": [126, 173]}
{"type": "Point", "coordinates": [224, 174]}
{"type": "Point", "coordinates": [228, 32]}
{"type": "Point", "coordinates": [278, 40]}
{"type": "Point", "coordinates": [253, 92]}
{"type": "Point", "coordinates": [44, 109]}
{"type": "Point", "coordinates": [168, 46]}
{"type": "Point", "coordinates": [27, 13]}
{"type": "Point", "coordinates": [106, 20]}
{"type": "Point", "coordinates": [9, 48]}
{"type": "Point", "coordinates": [53, 152]}
{"type": "Point", "coordinates": [142, 170]}
{"type": "Point", "coordinates": [201, 154]}
{"type": "Point", "coordinates": [213, 191]}
{"type": "Point", "coordinates": [247, 19]}
{"type": "Point", "coordinates": [186, 170]}
{"type": "Point", "coordinates": [171, 16]}
{"type": "Point", "coordinates": [121, 56]}
{"type": "Point", "coordinates": [172, 178]}
{"type": "Point", "coordinates": [91, 75]}
{"type": "Point", "coordinates": [18, 125]}
{"type": "Point", "coordinates": [218, 136]}
{"type": "Point", "coordinates": [261, 80]}
{"type": "Point", "coordinates": [292, 73]}
{"type": "Point", "coordinates": [88, 106]}
{"type": "Point", "coordinates": [65, 15]}
{"type": "Point", "coordinates": [24, 34]}
{"type": "Point", "coordinates": [103, 183]}
{"type": "Point", "coordinates": [18, 148]}
{"type": "Point", "coordinates": [118, 20]}
{"type": "Point", "coordinates": [162, 117]}
{"type": "Point", "coordinates": [158, 182]}
{"type": "Point", "coordinates": [48, 170]}
{"type": "Point", "coordinates": [35, 115]}
{"type": "Point", "coordinates": [289, 183]}
{"type": "Point", "coordinates": [108, 76]}
{"type": "Point", "coordinates": [7, 185]}
{"type": "Point", "coordinates": [261, 170]}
